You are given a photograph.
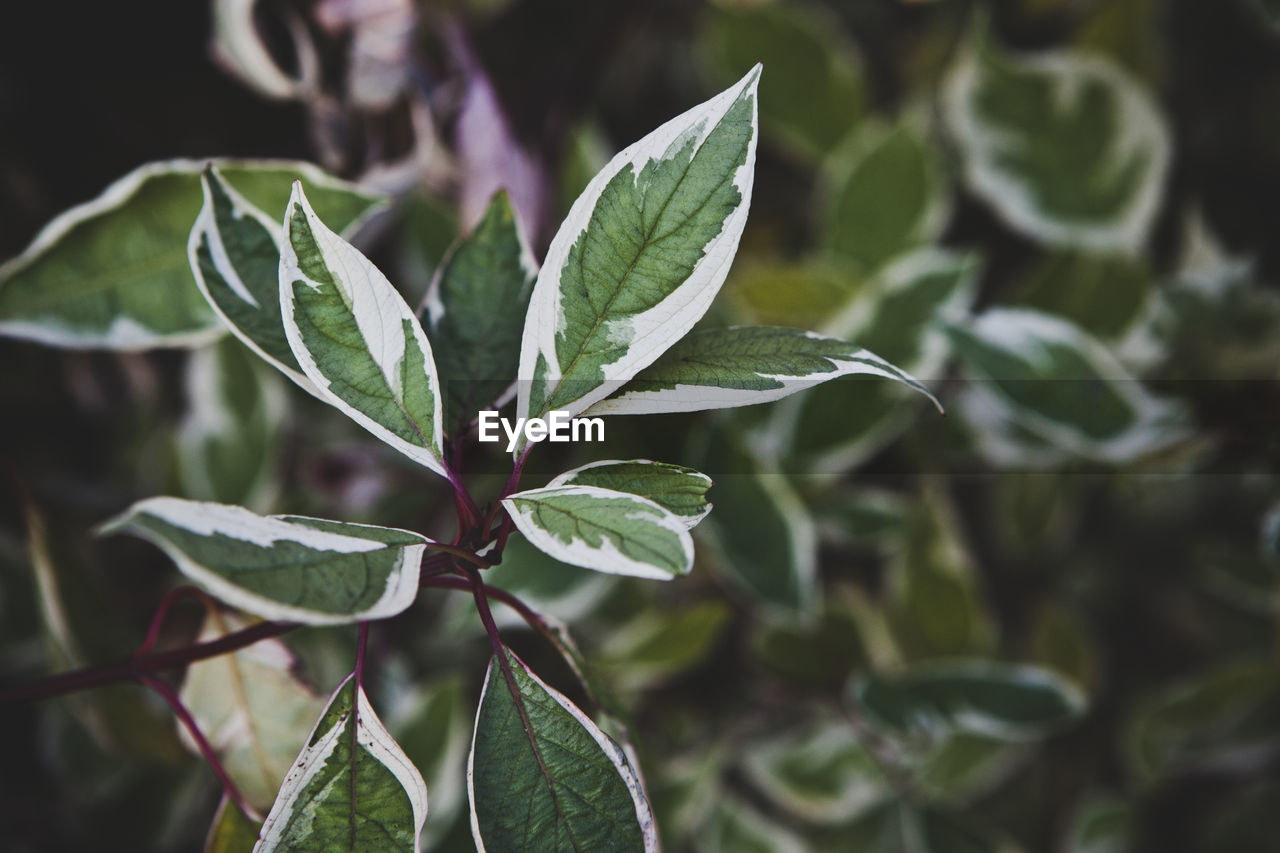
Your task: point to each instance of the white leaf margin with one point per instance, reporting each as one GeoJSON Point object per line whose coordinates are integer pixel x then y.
{"type": "Point", "coordinates": [207, 519]}
{"type": "Point", "coordinates": [380, 744]}
{"type": "Point", "coordinates": [690, 521]}
{"type": "Point", "coordinates": [124, 335]}
{"type": "Point", "coordinates": [1156, 422]}
{"type": "Point", "coordinates": [379, 312]}
{"type": "Point", "coordinates": [617, 757]}
{"type": "Point", "coordinates": [1141, 127]}
{"type": "Point", "coordinates": [206, 227]}
{"type": "Point", "coordinates": [654, 331]}
{"type": "Point", "coordinates": [606, 558]}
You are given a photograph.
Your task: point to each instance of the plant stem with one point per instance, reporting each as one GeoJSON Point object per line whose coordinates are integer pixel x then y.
{"type": "Point", "coordinates": [202, 743]}
{"type": "Point", "coordinates": [460, 553]}
{"type": "Point", "coordinates": [140, 666]}
{"type": "Point", "coordinates": [527, 613]}
{"type": "Point", "coordinates": [171, 598]}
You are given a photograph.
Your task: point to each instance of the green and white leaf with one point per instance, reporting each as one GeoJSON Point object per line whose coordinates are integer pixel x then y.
{"type": "Point", "coordinates": [475, 312]}
{"type": "Point", "coordinates": [543, 777]}
{"type": "Point", "coordinates": [659, 644]}
{"type": "Point", "coordinates": [742, 366]}
{"type": "Point", "coordinates": [113, 272]}
{"type": "Point", "coordinates": [902, 314]}
{"type": "Point", "coordinates": [604, 530]}
{"type": "Point", "coordinates": [252, 709]}
{"type": "Point", "coordinates": [641, 255]}
{"type": "Point", "coordinates": [679, 490]}
{"type": "Point", "coordinates": [1066, 147]}
{"type": "Point", "coordinates": [357, 340]}
{"type": "Point", "coordinates": [283, 567]}
{"type": "Point", "coordinates": [1045, 376]}
{"type": "Point", "coordinates": [234, 251]}
{"type": "Point", "coordinates": [820, 773]}
{"type": "Point", "coordinates": [351, 788]}
{"type": "Point", "coordinates": [888, 195]}
{"type": "Point", "coordinates": [228, 441]}
{"type": "Point", "coordinates": [1006, 702]}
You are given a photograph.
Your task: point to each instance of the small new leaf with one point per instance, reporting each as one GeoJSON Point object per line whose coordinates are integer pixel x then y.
{"type": "Point", "coordinates": [475, 310]}
{"type": "Point", "coordinates": [679, 490]}
{"type": "Point", "coordinates": [351, 788]}
{"type": "Point", "coordinates": [283, 567]}
{"type": "Point", "coordinates": [357, 340]}
{"type": "Point", "coordinates": [543, 777]}
{"type": "Point", "coordinates": [604, 530]}
{"type": "Point", "coordinates": [641, 255]}
{"type": "Point", "coordinates": [742, 366]}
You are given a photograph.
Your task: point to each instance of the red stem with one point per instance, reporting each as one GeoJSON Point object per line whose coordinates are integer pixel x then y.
{"type": "Point", "coordinates": [202, 743]}
{"type": "Point", "coordinates": [171, 598]}
{"type": "Point", "coordinates": [141, 666]}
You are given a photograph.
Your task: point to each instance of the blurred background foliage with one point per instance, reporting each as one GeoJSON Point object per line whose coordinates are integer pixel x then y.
{"type": "Point", "coordinates": [1045, 622]}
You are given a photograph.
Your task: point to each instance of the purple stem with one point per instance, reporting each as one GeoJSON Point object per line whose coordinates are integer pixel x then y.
{"type": "Point", "coordinates": [202, 743]}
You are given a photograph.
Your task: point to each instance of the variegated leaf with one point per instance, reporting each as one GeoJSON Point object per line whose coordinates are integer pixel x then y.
{"type": "Point", "coordinates": [351, 788]}
{"type": "Point", "coordinates": [113, 272]}
{"type": "Point", "coordinates": [1066, 147]}
{"type": "Point", "coordinates": [234, 251]}
{"type": "Point", "coordinates": [641, 255]}
{"type": "Point", "coordinates": [543, 777]}
{"type": "Point", "coordinates": [357, 340]}
{"type": "Point", "coordinates": [475, 309]}
{"type": "Point", "coordinates": [604, 530]}
{"type": "Point", "coordinates": [679, 490]}
{"type": "Point", "coordinates": [742, 366]}
{"type": "Point", "coordinates": [1044, 383]}
{"type": "Point", "coordinates": [283, 567]}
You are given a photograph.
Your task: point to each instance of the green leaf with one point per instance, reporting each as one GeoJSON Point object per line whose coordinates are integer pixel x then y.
{"type": "Point", "coordinates": [1103, 294]}
{"type": "Point", "coordinates": [283, 567]}
{"type": "Point", "coordinates": [658, 645]}
{"type": "Point", "coordinates": [1000, 701]}
{"type": "Point", "coordinates": [964, 767]}
{"type": "Point", "coordinates": [357, 340]}
{"type": "Point", "coordinates": [604, 530]}
{"type": "Point", "coordinates": [543, 777]}
{"type": "Point", "coordinates": [234, 251]}
{"type": "Point", "coordinates": [932, 603]}
{"type": "Point", "coordinates": [742, 366]}
{"type": "Point", "coordinates": [1048, 377]}
{"type": "Point", "coordinates": [1066, 147]}
{"type": "Point", "coordinates": [888, 195]}
{"type": "Point", "coordinates": [814, 91]}
{"type": "Point", "coordinates": [761, 532]}
{"type": "Point", "coordinates": [819, 773]}
{"type": "Point", "coordinates": [351, 788]}
{"type": "Point", "coordinates": [1219, 717]}
{"type": "Point", "coordinates": [251, 708]}
{"type": "Point", "coordinates": [114, 273]}
{"type": "Point", "coordinates": [228, 442]}
{"type": "Point", "coordinates": [902, 314]}
{"type": "Point", "coordinates": [640, 256]}
{"type": "Point", "coordinates": [231, 831]}
{"type": "Point", "coordinates": [679, 490]}
{"type": "Point", "coordinates": [475, 312]}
